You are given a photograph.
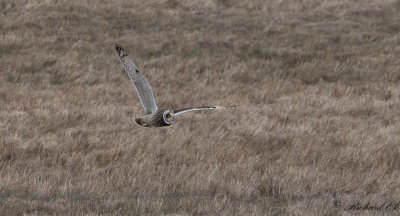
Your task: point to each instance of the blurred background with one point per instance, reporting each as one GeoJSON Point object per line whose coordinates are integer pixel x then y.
{"type": "Point", "coordinates": [317, 122]}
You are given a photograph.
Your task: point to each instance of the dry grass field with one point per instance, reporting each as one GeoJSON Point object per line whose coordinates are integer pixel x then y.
{"type": "Point", "coordinates": [316, 130]}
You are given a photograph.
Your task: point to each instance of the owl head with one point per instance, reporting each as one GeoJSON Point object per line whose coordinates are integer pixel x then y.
{"type": "Point", "coordinates": [168, 116]}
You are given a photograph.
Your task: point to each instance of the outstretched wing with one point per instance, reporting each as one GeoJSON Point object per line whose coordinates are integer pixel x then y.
{"type": "Point", "coordinates": [139, 82]}
{"type": "Point", "coordinates": [180, 111]}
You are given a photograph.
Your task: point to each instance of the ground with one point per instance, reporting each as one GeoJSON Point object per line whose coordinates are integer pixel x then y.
{"type": "Point", "coordinates": [315, 131]}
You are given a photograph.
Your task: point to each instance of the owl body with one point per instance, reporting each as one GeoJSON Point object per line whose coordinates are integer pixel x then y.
{"type": "Point", "coordinates": [161, 118]}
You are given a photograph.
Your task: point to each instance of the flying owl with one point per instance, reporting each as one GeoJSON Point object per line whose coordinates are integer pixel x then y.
{"type": "Point", "coordinates": [154, 117]}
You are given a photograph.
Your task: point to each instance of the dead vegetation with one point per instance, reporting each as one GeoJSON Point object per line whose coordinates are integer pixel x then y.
{"type": "Point", "coordinates": [317, 83]}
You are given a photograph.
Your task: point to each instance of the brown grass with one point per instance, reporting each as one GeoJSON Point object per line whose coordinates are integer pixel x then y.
{"type": "Point", "coordinates": [318, 121]}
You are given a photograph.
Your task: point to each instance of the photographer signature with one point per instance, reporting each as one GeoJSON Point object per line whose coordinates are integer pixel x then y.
{"type": "Point", "coordinates": [368, 206]}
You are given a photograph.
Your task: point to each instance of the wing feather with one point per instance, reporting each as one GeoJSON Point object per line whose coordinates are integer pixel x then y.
{"type": "Point", "coordinates": [141, 85]}
{"type": "Point", "coordinates": [180, 111]}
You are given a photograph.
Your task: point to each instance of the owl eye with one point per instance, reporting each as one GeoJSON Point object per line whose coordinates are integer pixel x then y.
{"type": "Point", "coordinates": [168, 116]}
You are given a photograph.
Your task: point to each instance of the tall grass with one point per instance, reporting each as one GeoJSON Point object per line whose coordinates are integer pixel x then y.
{"type": "Point", "coordinates": [316, 129]}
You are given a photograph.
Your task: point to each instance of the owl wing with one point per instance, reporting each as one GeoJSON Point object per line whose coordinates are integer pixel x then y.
{"type": "Point", "coordinates": [180, 111]}
{"type": "Point", "coordinates": [141, 85]}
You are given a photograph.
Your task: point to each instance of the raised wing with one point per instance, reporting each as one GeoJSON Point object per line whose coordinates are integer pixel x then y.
{"type": "Point", "coordinates": [180, 111]}
{"type": "Point", "coordinates": [139, 82]}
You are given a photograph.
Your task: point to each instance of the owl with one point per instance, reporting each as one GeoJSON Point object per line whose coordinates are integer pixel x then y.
{"type": "Point", "coordinates": [154, 117]}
